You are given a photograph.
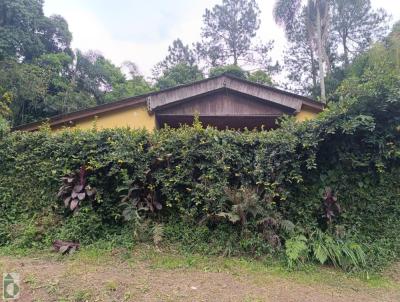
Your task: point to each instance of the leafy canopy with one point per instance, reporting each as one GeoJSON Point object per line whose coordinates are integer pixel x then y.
{"type": "Point", "coordinates": [228, 34]}
{"type": "Point", "coordinates": [26, 33]}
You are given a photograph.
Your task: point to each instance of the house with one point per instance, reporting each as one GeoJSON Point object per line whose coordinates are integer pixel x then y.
{"type": "Point", "coordinates": [222, 101]}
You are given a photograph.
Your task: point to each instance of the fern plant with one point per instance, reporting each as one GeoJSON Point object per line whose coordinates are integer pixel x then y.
{"type": "Point", "coordinates": [247, 209]}
{"type": "Point", "coordinates": [274, 228]}
{"type": "Point", "coordinates": [245, 204]}
{"type": "Point", "coordinates": [324, 248]}
{"type": "Point", "coordinates": [158, 234]}
{"type": "Point", "coordinates": [296, 250]}
{"type": "Point", "coordinates": [344, 254]}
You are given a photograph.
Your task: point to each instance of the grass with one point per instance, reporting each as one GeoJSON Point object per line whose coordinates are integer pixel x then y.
{"type": "Point", "coordinates": [81, 295]}
{"type": "Point", "coordinates": [262, 271]}
{"type": "Point", "coordinates": [170, 259]}
{"type": "Point", "coordinates": [173, 260]}
{"type": "Point", "coordinates": [307, 274]}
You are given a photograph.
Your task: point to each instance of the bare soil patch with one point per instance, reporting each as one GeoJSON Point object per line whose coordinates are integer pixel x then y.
{"type": "Point", "coordinates": [116, 279]}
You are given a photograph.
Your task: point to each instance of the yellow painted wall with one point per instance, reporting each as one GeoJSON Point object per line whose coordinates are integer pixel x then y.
{"type": "Point", "coordinates": [135, 118]}
{"type": "Point", "coordinates": [138, 117]}
{"type": "Point", "coordinates": [305, 114]}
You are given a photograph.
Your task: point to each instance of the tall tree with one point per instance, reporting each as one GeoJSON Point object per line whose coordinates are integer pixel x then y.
{"type": "Point", "coordinates": [260, 77]}
{"type": "Point", "coordinates": [131, 87]}
{"type": "Point", "coordinates": [179, 74]}
{"type": "Point", "coordinates": [42, 88]}
{"type": "Point", "coordinates": [300, 56]}
{"type": "Point", "coordinates": [97, 75]}
{"type": "Point", "coordinates": [233, 70]}
{"type": "Point", "coordinates": [135, 84]}
{"type": "Point", "coordinates": [63, 94]}
{"type": "Point", "coordinates": [178, 53]}
{"type": "Point", "coordinates": [42, 75]}
{"type": "Point", "coordinates": [228, 34]}
{"type": "Point", "coordinates": [26, 33]}
{"type": "Point", "coordinates": [55, 34]}
{"type": "Point", "coordinates": [58, 83]}
{"type": "Point", "coordinates": [318, 17]}
{"type": "Point", "coordinates": [131, 68]}
{"type": "Point", "coordinates": [375, 75]}
{"type": "Point", "coordinates": [178, 67]}
{"type": "Point", "coordinates": [28, 85]}
{"type": "Point", "coordinates": [356, 25]}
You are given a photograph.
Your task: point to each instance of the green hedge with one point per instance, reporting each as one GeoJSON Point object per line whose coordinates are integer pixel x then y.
{"type": "Point", "coordinates": [213, 191]}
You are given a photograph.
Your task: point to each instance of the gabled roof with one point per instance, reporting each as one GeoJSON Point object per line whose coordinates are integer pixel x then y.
{"type": "Point", "coordinates": [263, 92]}
{"type": "Point", "coordinates": [171, 96]}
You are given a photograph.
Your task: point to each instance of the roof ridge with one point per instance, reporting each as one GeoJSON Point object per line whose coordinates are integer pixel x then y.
{"type": "Point", "coordinates": [139, 99]}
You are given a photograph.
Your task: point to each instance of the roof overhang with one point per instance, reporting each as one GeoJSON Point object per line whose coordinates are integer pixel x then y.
{"type": "Point", "coordinates": [172, 96]}
{"type": "Point", "coordinates": [263, 92]}
{"type": "Point", "coordinates": [70, 118]}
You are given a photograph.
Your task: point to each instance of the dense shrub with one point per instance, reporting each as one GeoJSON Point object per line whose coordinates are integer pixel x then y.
{"type": "Point", "coordinates": [222, 192]}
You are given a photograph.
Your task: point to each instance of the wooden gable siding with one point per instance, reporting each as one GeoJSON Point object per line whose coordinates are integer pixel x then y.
{"type": "Point", "coordinates": [154, 102]}
{"type": "Point", "coordinates": [225, 103]}
{"type": "Point", "coordinates": [203, 87]}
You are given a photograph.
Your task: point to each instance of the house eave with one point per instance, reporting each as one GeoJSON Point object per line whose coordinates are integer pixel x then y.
{"type": "Point", "coordinates": [174, 95]}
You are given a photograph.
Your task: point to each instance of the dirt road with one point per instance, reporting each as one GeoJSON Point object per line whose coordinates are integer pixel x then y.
{"type": "Point", "coordinates": [170, 278]}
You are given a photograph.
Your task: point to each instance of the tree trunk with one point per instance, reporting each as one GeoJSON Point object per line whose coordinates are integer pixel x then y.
{"type": "Point", "coordinates": [313, 71]}
{"type": "Point", "coordinates": [310, 34]}
{"type": "Point", "coordinates": [345, 50]}
{"type": "Point", "coordinates": [320, 55]}
{"type": "Point", "coordinates": [235, 59]}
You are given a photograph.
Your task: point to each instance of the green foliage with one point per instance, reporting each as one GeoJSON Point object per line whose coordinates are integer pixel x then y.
{"type": "Point", "coordinates": [26, 33]}
{"type": "Point", "coordinates": [135, 86]}
{"type": "Point", "coordinates": [245, 204]}
{"type": "Point", "coordinates": [228, 34]}
{"type": "Point", "coordinates": [375, 73]}
{"type": "Point", "coordinates": [27, 83]}
{"type": "Point", "coordinates": [40, 76]}
{"type": "Point", "coordinates": [322, 247]}
{"type": "Point", "coordinates": [222, 192]}
{"type": "Point", "coordinates": [260, 77]}
{"type": "Point", "coordinates": [137, 200]}
{"type": "Point", "coordinates": [348, 29]}
{"type": "Point", "coordinates": [84, 227]}
{"type": "Point", "coordinates": [178, 53]}
{"type": "Point", "coordinates": [300, 55]}
{"type": "Point", "coordinates": [179, 74]}
{"type": "Point", "coordinates": [296, 250]}
{"type": "Point", "coordinates": [228, 69]}
{"type": "Point", "coordinates": [158, 233]}
{"type": "Point", "coordinates": [178, 67]}
{"type": "Point", "coordinates": [355, 25]}
{"type": "Point", "coordinates": [54, 84]}
{"type": "Point", "coordinates": [218, 239]}
{"type": "Point", "coordinates": [203, 176]}
{"type": "Point", "coordinates": [341, 253]}
{"type": "Point", "coordinates": [229, 29]}
{"type": "Point", "coordinates": [5, 101]}
{"type": "Point", "coordinates": [4, 127]}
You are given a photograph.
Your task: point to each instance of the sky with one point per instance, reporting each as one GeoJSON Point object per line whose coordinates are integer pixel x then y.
{"type": "Point", "coordinates": [141, 30]}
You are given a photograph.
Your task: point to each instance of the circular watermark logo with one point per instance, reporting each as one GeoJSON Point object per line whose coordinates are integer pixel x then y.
{"type": "Point", "coordinates": [11, 286]}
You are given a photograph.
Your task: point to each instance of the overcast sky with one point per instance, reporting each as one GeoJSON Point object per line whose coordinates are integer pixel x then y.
{"type": "Point", "coordinates": [141, 30]}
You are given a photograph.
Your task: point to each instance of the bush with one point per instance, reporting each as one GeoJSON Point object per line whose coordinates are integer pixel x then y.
{"type": "Point", "coordinates": [85, 227]}
{"type": "Point", "coordinates": [323, 248]}
{"type": "Point", "coordinates": [219, 192]}
{"type": "Point", "coordinates": [4, 127]}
